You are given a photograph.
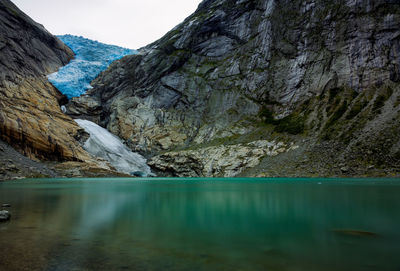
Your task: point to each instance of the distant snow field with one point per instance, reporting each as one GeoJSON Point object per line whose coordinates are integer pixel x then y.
{"type": "Point", "coordinates": [91, 58]}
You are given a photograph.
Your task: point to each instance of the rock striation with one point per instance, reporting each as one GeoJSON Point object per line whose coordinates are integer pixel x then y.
{"type": "Point", "coordinates": [306, 69]}
{"type": "Point", "coordinates": [217, 161]}
{"type": "Point", "coordinates": [30, 116]}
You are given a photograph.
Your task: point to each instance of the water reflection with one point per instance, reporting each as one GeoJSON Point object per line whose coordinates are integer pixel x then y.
{"type": "Point", "coordinates": [197, 225]}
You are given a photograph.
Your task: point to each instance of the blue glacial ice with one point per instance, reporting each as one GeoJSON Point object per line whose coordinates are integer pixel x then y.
{"type": "Point", "coordinates": [91, 58]}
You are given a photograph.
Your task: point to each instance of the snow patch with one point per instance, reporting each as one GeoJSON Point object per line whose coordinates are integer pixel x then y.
{"type": "Point", "coordinates": [103, 144]}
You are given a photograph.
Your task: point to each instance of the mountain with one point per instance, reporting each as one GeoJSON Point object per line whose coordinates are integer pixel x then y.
{"type": "Point", "coordinates": [31, 120]}
{"type": "Point", "coordinates": [262, 88]}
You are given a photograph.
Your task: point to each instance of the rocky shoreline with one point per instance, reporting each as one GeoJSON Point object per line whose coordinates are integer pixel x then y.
{"type": "Point", "coordinates": [296, 161]}
{"type": "Point", "coordinates": [15, 166]}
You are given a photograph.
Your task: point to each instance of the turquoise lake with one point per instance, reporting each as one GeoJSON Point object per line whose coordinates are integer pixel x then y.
{"type": "Point", "coordinates": [201, 224]}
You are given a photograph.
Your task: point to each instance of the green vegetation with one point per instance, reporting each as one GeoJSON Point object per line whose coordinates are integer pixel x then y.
{"type": "Point", "coordinates": [267, 116]}
{"type": "Point", "coordinates": [13, 11]}
{"type": "Point", "coordinates": [342, 113]}
{"type": "Point", "coordinates": [292, 124]}
{"type": "Point", "coordinates": [331, 112]}
{"type": "Point", "coordinates": [381, 99]}
{"type": "Point", "coordinates": [337, 114]}
{"type": "Point", "coordinates": [333, 92]}
{"type": "Point", "coordinates": [397, 155]}
{"type": "Point", "coordinates": [357, 108]}
{"type": "Point", "coordinates": [168, 41]}
{"type": "Point", "coordinates": [379, 102]}
{"type": "Point", "coordinates": [179, 52]}
{"type": "Point", "coordinates": [397, 102]}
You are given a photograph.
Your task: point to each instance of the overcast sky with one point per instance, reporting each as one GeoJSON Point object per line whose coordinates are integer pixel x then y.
{"type": "Point", "coordinates": [128, 23]}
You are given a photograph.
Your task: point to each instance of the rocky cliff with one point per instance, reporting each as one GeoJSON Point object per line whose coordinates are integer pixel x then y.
{"type": "Point", "coordinates": [319, 75]}
{"type": "Point", "coordinates": [30, 115]}
{"type": "Point", "coordinates": [31, 120]}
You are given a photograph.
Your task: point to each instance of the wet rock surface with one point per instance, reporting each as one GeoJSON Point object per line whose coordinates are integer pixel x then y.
{"type": "Point", "coordinates": [4, 215]}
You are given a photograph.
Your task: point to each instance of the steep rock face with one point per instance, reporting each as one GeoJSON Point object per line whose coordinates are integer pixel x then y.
{"type": "Point", "coordinates": [26, 46]}
{"type": "Point", "coordinates": [30, 115]}
{"type": "Point", "coordinates": [321, 69]}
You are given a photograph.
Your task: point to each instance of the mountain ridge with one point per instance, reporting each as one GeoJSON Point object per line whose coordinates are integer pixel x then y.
{"type": "Point", "coordinates": [254, 88]}
{"type": "Point", "coordinates": [236, 72]}
{"type": "Point", "coordinates": [31, 120]}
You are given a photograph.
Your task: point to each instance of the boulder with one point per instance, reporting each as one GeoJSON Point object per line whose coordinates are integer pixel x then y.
{"type": "Point", "coordinates": [4, 216]}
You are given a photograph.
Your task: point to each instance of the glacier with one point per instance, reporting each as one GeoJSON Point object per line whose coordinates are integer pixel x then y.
{"type": "Point", "coordinates": [91, 58]}
{"type": "Point", "coordinates": [73, 80]}
{"type": "Point", "coordinates": [103, 144]}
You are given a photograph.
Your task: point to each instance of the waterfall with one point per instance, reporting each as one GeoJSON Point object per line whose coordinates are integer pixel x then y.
{"type": "Point", "coordinates": [103, 144]}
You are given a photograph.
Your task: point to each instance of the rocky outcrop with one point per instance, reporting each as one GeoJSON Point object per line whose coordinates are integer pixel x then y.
{"type": "Point", "coordinates": [314, 69]}
{"type": "Point", "coordinates": [30, 115]}
{"type": "Point", "coordinates": [14, 166]}
{"type": "Point", "coordinates": [218, 161]}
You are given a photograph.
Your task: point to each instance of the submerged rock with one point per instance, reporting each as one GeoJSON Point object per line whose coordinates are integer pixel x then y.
{"type": "Point", "coordinates": [4, 216]}
{"type": "Point", "coordinates": [5, 205]}
{"type": "Point", "coordinates": [351, 232]}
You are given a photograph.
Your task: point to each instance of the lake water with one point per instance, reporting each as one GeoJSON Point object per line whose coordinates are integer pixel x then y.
{"type": "Point", "coordinates": [201, 224]}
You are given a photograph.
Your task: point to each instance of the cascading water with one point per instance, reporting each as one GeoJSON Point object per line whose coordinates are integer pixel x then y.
{"type": "Point", "coordinates": [103, 144]}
